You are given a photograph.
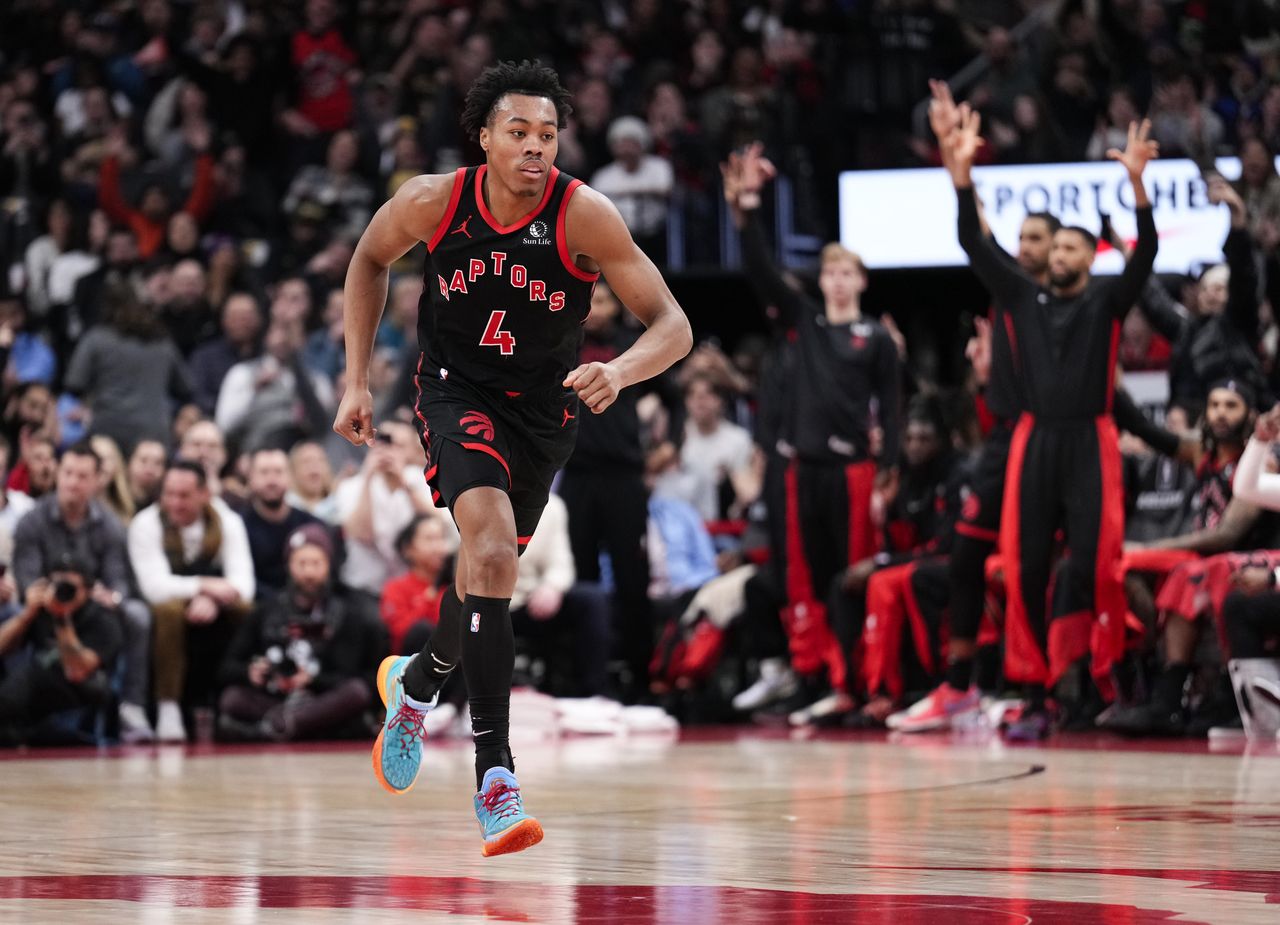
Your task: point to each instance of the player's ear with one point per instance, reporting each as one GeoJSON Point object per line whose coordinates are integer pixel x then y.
{"type": "Point", "coordinates": [484, 138]}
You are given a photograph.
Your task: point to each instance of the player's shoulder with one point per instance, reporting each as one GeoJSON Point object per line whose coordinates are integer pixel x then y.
{"type": "Point", "coordinates": [588, 203]}
{"type": "Point", "coordinates": [427, 189]}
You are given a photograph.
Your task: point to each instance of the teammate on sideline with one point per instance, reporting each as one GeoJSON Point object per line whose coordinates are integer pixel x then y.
{"type": "Point", "coordinates": [1064, 466]}
{"type": "Point", "coordinates": [515, 247]}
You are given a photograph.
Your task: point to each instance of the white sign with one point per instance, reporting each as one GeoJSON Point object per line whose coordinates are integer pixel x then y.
{"type": "Point", "coordinates": [907, 218]}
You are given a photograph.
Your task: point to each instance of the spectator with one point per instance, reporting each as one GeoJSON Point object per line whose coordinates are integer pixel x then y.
{"type": "Point", "coordinates": [302, 665]}
{"type": "Point", "coordinates": [269, 519]}
{"type": "Point", "coordinates": [716, 452]}
{"type": "Point", "coordinates": [681, 555]}
{"type": "Point", "coordinates": [323, 63]}
{"type": "Point", "coordinates": [274, 399]}
{"type": "Point", "coordinates": [37, 466]}
{"type": "Point", "coordinates": [639, 183]}
{"type": "Point", "coordinates": [548, 605]}
{"type": "Point", "coordinates": [1113, 128]}
{"type": "Point", "coordinates": [211, 361]}
{"type": "Point", "coordinates": [1259, 187]}
{"type": "Point", "coordinates": [1216, 341]}
{"type": "Point", "coordinates": [130, 373]}
{"type": "Point", "coordinates": [44, 251]}
{"type": "Point", "coordinates": [203, 443]}
{"type": "Point", "coordinates": [118, 267]}
{"type": "Point", "coordinates": [151, 217]}
{"type": "Point", "coordinates": [346, 196]}
{"type": "Point", "coordinates": [69, 522]}
{"type": "Point", "coordinates": [113, 483]}
{"type": "Point", "coordinates": [1184, 126]}
{"type": "Point", "coordinates": [191, 555]}
{"type": "Point", "coordinates": [312, 481]}
{"type": "Point", "coordinates": [145, 473]}
{"type": "Point", "coordinates": [26, 357]}
{"type": "Point", "coordinates": [411, 602]}
{"type": "Point", "coordinates": [324, 353]}
{"type": "Point", "coordinates": [187, 312]}
{"type": "Point", "coordinates": [71, 645]}
{"type": "Point", "coordinates": [14, 505]}
{"type": "Point", "coordinates": [377, 503]}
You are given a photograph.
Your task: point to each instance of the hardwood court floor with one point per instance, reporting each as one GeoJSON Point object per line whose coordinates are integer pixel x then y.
{"type": "Point", "coordinates": [735, 827]}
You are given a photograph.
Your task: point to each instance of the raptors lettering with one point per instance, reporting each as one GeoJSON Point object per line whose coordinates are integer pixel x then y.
{"type": "Point", "coordinates": [517, 275]}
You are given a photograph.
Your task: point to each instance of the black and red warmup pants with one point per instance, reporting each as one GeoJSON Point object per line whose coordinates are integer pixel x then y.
{"type": "Point", "coordinates": [977, 532]}
{"type": "Point", "coordinates": [829, 527]}
{"type": "Point", "coordinates": [1063, 474]}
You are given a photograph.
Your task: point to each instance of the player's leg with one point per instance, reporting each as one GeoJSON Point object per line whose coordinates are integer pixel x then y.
{"type": "Point", "coordinates": [976, 534]}
{"type": "Point", "coordinates": [1030, 518]}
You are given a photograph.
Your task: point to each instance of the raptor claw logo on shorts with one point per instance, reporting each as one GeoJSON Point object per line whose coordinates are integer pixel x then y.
{"type": "Point", "coordinates": [477, 425]}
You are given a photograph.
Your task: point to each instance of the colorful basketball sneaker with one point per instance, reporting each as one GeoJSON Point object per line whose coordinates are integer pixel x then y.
{"type": "Point", "coordinates": [936, 711]}
{"type": "Point", "coordinates": [397, 753]}
{"type": "Point", "coordinates": [505, 825]}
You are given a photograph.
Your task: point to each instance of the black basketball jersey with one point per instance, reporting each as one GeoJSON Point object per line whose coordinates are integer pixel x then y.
{"type": "Point", "coordinates": [502, 307]}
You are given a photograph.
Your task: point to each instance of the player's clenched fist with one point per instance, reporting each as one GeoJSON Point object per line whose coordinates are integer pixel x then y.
{"type": "Point", "coordinates": [597, 385]}
{"type": "Point", "coordinates": [355, 417]}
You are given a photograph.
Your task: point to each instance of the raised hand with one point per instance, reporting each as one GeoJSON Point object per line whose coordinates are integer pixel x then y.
{"type": "Point", "coordinates": [1221, 192]}
{"type": "Point", "coordinates": [965, 140]}
{"type": "Point", "coordinates": [1139, 150]}
{"type": "Point", "coordinates": [944, 114]}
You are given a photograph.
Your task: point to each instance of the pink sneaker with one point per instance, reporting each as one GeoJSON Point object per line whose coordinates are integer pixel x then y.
{"type": "Point", "coordinates": [936, 711]}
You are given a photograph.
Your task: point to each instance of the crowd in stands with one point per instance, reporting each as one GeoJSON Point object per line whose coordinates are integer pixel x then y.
{"type": "Point", "coordinates": [181, 188]}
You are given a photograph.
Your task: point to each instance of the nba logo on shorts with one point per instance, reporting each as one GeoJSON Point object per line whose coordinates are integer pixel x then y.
{"type": "Point", "coordinates": [475, 623]}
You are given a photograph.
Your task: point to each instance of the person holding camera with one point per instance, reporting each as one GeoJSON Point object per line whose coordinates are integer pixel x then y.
{"type": "Point", "coordinates": [302, 665]}
{"type": "Point", "coordinates": [71, 521]}
{"type": "Point", "coordinates": [71, 643]}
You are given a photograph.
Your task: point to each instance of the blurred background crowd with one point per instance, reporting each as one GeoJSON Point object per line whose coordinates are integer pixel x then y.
{"type": "Point", "coordinates": [181, 186]}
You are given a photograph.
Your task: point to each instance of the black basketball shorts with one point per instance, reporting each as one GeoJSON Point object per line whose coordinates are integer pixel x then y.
{"type": "Point", "coordinates": [515, 442]}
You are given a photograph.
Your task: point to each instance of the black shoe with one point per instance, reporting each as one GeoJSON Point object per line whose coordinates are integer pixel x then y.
{"type": "Point", "coordinates": [1147, 719]}
{"type": "Point", "coordinates": [1218, 709]}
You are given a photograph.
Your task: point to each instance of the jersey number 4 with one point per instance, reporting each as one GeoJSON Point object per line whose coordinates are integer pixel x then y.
{"type": "Point", "coordinates": [494, 336]}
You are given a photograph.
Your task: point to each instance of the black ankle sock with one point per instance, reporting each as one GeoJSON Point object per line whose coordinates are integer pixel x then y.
{"type": "Point", "coordinates": [960, 674]}
{"type": "Point", "coordinates": [488, 657]}
{"type": "Point", "coordinates": [1035, 697]}
{"type": "Point", "coordinates": [427, 672]}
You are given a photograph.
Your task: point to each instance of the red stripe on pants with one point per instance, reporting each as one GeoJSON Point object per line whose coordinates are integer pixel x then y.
{"type": "Point", "coordinates": [803, 619]}
{"type": "Point", "coordinates": [1109, 602]}
{"type": "Point", "coordinates": [1024, 662]}
{"type": "Point", "coordinates": [864, 539]}
{"type": "Point", "coordinates": [882, 632]}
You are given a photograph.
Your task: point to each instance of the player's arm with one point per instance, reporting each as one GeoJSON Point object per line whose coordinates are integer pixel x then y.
{"type": "Point", "coordinates": [1002, 278]}
{"type": "Point", "coordinates": [1237, 520]}
{"type": "Point", "coordinates": [1138, 151]}
{"type": "Point", "coordinates": [407, 218]}
{"type": "Point", "coordinates": [597, 234]}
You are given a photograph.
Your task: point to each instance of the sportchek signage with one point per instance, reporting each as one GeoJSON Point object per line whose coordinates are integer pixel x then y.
{"type": "Point", "coordinates": [907, 218]}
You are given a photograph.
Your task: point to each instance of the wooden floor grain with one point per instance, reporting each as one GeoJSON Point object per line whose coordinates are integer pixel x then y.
{"type": "Point", "coordinates": [737, 827]}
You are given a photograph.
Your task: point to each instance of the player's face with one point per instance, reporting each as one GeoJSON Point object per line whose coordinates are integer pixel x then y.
{"type": "Point", "coordinates": [920, 443]}
{"type": "Point", "coordinates": [841, 281]}
{"type": "Point", "coordinates": [1070, 258]}
{"type": "Point", "coordinates": [521, 141]}
{"type": "Point", "coordinates": [1034, 244]}
{"type": "Point", "coordinates": [1226, 415]}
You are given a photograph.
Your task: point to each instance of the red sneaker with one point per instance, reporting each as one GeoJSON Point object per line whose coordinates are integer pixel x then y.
{"type": "Point", "coordinates": [936, 711]}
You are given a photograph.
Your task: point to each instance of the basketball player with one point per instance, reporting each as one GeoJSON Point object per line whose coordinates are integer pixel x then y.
{"type": "Point", "coordinates": [514, 249]}
{"type": "Point", "coordinates": [1064, 465]}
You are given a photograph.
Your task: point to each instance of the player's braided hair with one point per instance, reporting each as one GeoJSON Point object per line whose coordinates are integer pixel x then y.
{"type": "Point", "coordinates": [528, 78]}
